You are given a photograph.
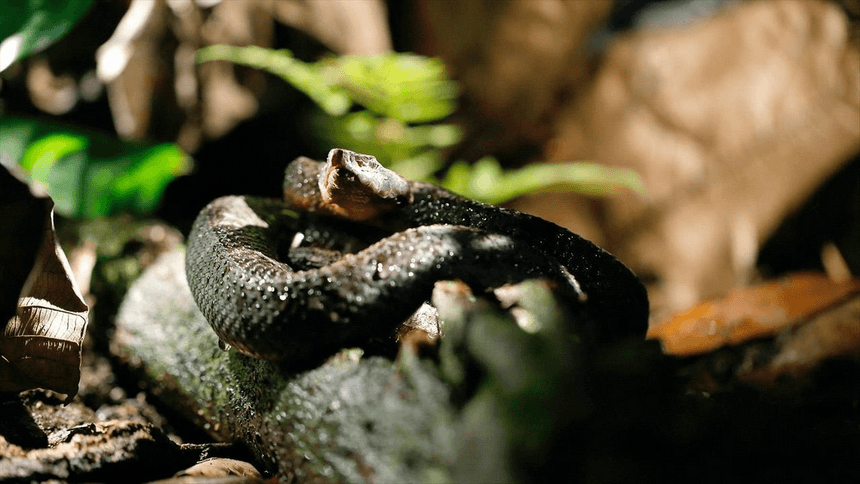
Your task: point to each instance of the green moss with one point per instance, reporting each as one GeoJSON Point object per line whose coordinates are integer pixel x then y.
{"type": "Point", "coordinates": [352, 418]}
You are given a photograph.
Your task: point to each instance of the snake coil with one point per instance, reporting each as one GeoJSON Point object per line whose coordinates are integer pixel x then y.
{"type": "Point", "coordinates": [268, 309]}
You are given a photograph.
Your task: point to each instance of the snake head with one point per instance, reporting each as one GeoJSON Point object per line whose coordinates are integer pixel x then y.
{"type": "Point", "coordinates": [358, 187]}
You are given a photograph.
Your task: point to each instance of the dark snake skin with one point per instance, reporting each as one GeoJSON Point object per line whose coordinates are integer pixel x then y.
{"type": "Point", "coordinates": [267, 309]}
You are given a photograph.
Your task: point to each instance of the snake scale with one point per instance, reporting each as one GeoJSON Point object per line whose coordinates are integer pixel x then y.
{"type": "Point", "coordinates": [416, 234]}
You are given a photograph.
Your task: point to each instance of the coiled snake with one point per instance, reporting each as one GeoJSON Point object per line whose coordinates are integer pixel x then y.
{"type": "Point", "coordinates": [415, 234]}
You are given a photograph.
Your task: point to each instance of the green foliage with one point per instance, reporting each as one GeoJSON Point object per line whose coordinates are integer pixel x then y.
{"type": "Point", "coordinates": [399, 92]}
{"type": "Point", "coordinates": [487, 181]}
{"type": "Point", "coordinates": [395, 90]}
{"type": "Point", "coordinates": [304, 77]}
{"type": "Point", "coordinates": [87, 175]}
{"type": "Point", "coordinates": [90, 175]}
{"type": "Point", "coordinates": [28, 26]}
{"type": "Point", "coordinates": [404, 87]}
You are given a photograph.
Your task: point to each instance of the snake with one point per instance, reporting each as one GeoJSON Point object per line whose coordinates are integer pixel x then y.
{"type": "Point", "coordinates": [353, 249]}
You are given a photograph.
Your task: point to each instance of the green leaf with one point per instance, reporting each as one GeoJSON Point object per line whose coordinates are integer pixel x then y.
{"type": "Point", "coordinates": [400, 90]}
{"type": "Point", "coordinates": [28, 26]}
{"type": "Point", "coordinates": [406, 87]}
{"type": "Point", "coordinates": [90, 175]}
{"type": "Point", "coordinates": [305, 77]}
{"type": "Point", "coordinates": [488, 182]}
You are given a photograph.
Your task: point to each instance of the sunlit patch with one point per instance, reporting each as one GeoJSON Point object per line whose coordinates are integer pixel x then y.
{"type": "Point", "coordinates": [526, 320]}
{"type": "Point", "coordinates": [9, 50]}
{"type": "Point", "coordinates": [297, 240]}
{"type": "Point", "coordinates": [491, 241]}
{"type": "Point", "coordinates": [113, 55]}
{"type": "Point", "coordinates": [239, 214]}
{"type": "Point", "coordinates": [112, 60]}
{"type": "Point", "coordinates": [581, 296]}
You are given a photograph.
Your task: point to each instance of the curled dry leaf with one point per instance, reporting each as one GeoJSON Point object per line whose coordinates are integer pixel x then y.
{"type": "Point", "coordinates": [41, 344]}
{"type": "Point", "coordinates": [755, 312]}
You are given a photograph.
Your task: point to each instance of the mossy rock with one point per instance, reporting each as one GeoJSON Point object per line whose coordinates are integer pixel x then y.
{"type": "Point", "coordinates": [351, 419]}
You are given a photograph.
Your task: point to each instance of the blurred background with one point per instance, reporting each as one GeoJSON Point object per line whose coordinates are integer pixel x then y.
{"type": "Point", "coordinates": [720, 137]}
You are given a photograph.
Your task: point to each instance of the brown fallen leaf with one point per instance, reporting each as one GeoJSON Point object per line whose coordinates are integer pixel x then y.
{"type": "Point", "coordinates": [41, 344]}
{"type": "Point", "coordinates": [219, 467]}
{"type": "Point", "coordinates": [749, 313]}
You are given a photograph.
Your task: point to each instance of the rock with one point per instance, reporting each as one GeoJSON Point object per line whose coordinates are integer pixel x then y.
{"type": "Point", "coordinates": [106, 451]}
{"type": "Point", "coordinates": [351, 419]}
{"type": "Point", "coordinates": [42, 439]}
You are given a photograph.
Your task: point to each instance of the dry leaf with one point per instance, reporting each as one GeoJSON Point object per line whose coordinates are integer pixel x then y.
{"type": "Point", "coordinates": [749, 313]}
{"type": "Point", "coordinates": [220, 467]}
{"type": "Point", "coordinates": [733, 122]}
{"type": "Point", "coordinates": [41, 345]}
{"type": "Point", "coordinates": [835, 333]}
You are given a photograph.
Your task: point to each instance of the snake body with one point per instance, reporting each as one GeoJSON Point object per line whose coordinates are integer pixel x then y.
{"type": "Point", "coordinates": [268, 309]}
